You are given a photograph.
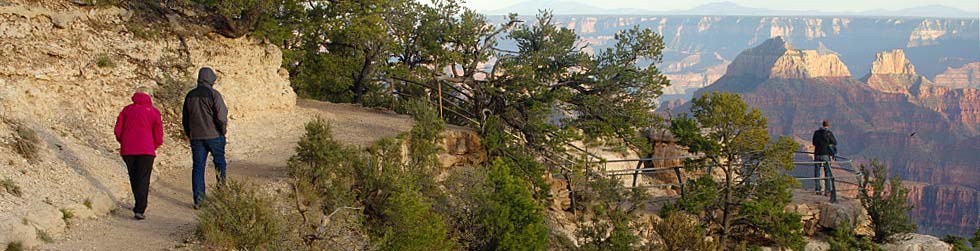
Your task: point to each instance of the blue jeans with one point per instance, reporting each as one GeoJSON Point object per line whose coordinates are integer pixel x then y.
{"type": "Point", "coordinates": [825, 168]}
{"type": "Point", "coordinates": [199, 150]}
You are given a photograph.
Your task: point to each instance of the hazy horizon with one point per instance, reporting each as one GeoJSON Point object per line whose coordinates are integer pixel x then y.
{"type": "Point", "coordinates": [826, 5]}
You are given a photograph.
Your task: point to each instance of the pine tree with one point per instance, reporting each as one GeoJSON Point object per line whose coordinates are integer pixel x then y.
{"type": "Point", "coordinates": [748, 202]}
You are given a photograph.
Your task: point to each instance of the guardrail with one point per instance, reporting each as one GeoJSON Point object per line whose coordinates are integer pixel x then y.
{"type": "Point", "coordinates": [838, 164]}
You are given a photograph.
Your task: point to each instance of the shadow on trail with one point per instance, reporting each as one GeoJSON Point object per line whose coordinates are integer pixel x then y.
{"type": "Point", "coordinates": [70, 158]}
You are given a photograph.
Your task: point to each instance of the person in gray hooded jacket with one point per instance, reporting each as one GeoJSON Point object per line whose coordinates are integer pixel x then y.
{"type": "Point", "coordinates": [205, 121]}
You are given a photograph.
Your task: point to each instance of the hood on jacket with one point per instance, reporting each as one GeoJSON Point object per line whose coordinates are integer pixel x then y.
{"type": "Point", "coordinates": [142, 98]}
{"type": "Point", "coordinates": [206, 77]}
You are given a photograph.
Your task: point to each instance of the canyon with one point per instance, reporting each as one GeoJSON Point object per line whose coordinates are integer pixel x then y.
{"type": "Point", "coordinates": [925, 133]}
{"type": "Point", "coordinates": [699, 47]}
{"type": "Point", "coordinates": [880, 79]}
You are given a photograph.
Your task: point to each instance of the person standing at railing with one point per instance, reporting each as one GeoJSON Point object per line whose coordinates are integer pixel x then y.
{"type": "Point", "coordinates": [825, 147]}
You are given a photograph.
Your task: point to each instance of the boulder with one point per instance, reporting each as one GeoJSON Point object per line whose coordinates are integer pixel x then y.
{"type": "Point", "coordinates": [834, 215]}
{"type": "Point", "coordinates": [16, 231]}
{"type": "Point", "coordinates": [809, 214]}
{"type": "Point", "coordinates": [47, 218]}
{"type": "Point", "coordinates": [916, 242]}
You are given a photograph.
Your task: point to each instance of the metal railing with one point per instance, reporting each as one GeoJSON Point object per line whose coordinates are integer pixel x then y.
{"type": "Point", "coordinates": [838, 164]}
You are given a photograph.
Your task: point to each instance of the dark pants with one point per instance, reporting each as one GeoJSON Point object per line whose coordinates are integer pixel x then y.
{"type": "Point", "coordinates": [200, 149]}
{"type": "Point", "coordinates": [140, 167]}
{"type": "Point", "coordinates": [821, 171]}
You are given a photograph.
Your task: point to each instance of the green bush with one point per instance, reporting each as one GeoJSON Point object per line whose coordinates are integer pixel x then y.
{"type": "Point", "coordinates": [958, 243]}
{"type": "Point", "coordinates": [410, 224]}
{"type": "Point", "coordinates": [885, 200]}
{"type": "Point", "coordinates": [512, 218]}
{"type": "Point", "coordinates": [26, 143]}
{"type": "Point", "coordinates": [466, 188]}
{"type": "Point", "coordinates": [607, 223]}
{"type": "Point", "coordinates": [679, 232]}
{"type": "Point", "coordinates": [10, 187]}
{"type": "Point", "coordinates": [976, 239]}
{"type": "Point", "coordinates": [237, 216]}
{"type": "Point", "coordinates": [104, 61]}
{"type": "Point", "coordinates": [398, 213]}
{"type": "Point", "coordinates": [325, 170]}
{"type": "Point", "coordinates": [844, 239]}
{"type": "Point", "coordinates": [237, 18]}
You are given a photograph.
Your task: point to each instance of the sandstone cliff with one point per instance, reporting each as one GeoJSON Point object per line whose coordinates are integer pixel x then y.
{"type": "Point", "coordinates": [966, 76]}
{"type": "Point", "coordinates": [804, 64]}
{"type": "Point", "coordinates": [892, 72]}
{"type": "Point", "coordinates": [776, 59]}
{"type": "Point", "coordinates": [66, 71]}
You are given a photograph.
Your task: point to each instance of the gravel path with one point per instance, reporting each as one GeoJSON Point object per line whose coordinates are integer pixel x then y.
{"type": "Point", "coordinates": [257, 151]}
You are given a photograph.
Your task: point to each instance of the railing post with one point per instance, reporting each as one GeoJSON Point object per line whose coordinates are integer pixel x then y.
{"type": "Point", "coordinates": [833, 190]}
{"type": "Point", "coordinates": [833, 182]}
{"type": "Point", "coordinates": [680, 180]}
{"type": "Point", "coordinates": [441, 116]}
{"type": "Point", "coordinates": [571, 192]}
{"type": "Point", "coordinates": [636, 172]}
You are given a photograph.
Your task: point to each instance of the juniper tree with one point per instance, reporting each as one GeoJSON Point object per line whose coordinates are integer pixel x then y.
{"type": "Point", "coordinates": [747, 202]}
{"type": "Point", "coordinates": [885, 200]}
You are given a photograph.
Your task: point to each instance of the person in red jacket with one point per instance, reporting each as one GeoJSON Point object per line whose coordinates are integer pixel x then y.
{"type": "Point", "coordinates": [139, 131]}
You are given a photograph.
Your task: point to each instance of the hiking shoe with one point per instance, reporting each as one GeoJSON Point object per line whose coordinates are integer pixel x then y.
{"type": "Point", "coordinates": [196, 206]}
{"type": "Point", "coordinates": [139, 216]}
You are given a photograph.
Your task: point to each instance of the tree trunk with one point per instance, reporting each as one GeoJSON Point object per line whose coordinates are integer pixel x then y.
{"type": "Point", "coordinates": [726, 211]}
{"type": "Point", "coordinates": [360, 83]}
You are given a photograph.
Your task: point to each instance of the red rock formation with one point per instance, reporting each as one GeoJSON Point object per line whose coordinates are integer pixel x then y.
{"type": "Point", "coordinates": [959, 106]}
{"type": "Point", "coordinates": [777, 59]}
{"type": "Point", "coordinates": [949, 210]}
{"type": "Point", "coordinates": [967, 76]}
{"type": "Point", "coordinates": [892, 72]}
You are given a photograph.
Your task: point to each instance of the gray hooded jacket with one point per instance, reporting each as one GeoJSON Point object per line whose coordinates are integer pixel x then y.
{"type": "Point", "coordinates": [205, 115]}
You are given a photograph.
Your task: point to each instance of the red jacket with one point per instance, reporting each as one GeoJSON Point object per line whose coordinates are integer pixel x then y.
{"type": "Point", "coordinates": [139, 129]}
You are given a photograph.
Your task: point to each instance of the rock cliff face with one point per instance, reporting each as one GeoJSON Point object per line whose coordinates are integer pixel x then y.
{"type": "Point", "coordinates": [804, 64]}
{"type": "Point", "coordinates": [967, 76]}
{"type": "Point", "coordinates": [892, 62]}
{"type": "Point", "coordinates": [776, 59]}
{"type": "Point", "coordinates": [932, 44]}
{"type": "Point", "coordinates": [949, 207]}
{"type": "Point", "coordinates": [872, 123]}
{"type": "Point", "coordinates": [66, 71]}
{"type": "Point", "coordinates": [892, 72]}
{"type": "Point", "coordinates": [960, 106]}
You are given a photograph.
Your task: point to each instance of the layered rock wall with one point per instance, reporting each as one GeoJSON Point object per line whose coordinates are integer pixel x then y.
{"type": "Point", "coordinates": [966, 76]}
{"type": "Point", "coordinates": [805, 64]}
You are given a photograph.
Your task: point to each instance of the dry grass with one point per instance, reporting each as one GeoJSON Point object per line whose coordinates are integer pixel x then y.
{"type": "Point", "coordinates": [26, 142]}
{"type": "Point", "coordinates": [104, 61]}
{"type": "Point", "coordinates": [10, 187]}
{"type": "Point", "coordinates": [15, 246]}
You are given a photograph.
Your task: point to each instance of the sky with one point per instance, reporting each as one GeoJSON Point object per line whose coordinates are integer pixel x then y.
{"type": "Point", "coordinates": [820, 5]}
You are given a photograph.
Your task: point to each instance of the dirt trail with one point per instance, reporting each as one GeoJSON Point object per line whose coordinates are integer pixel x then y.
{"type": "Point", "coordinates": [260, 157]}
